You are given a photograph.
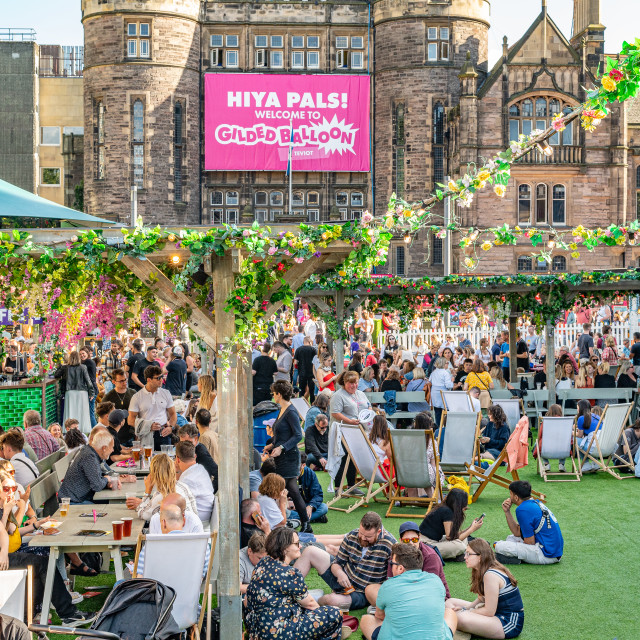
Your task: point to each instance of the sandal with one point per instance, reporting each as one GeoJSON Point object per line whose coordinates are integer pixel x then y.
{"type": "Point", "coordinates": [83, 570]}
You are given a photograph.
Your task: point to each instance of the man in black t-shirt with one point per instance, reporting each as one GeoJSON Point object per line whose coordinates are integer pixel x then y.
{"type": "Point", "coordinates": [137, 375]}
{"type": "Point", "coordinates": [585, 344]}
{"type": "Point", "coordinates": [461, 376]}
{"type": "Point", "coordinates": [304, 359]}
{"type": "Point", "coordinates": [522, 354]}
{"type": "Point", "coordinates": [136, 355]}
{"type": "Point", "coordinates": [634, 352]}
{"type": "Point", "coordinates": [249, 526]}
{"type": "Point", "coordinates": [263, 368]}
{"type": "Point", "coordinates": [14, 364]}
{"type": "Point", "coordinates": [176, 370]}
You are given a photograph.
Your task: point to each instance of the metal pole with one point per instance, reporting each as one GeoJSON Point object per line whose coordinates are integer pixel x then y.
{"type": "Point", "coordinates": [447, 249]}
{"type": "Point", "coordinates": [550, 361]}
{"type": "Point", "coordinates": [513, 340]}
{"type": "Point", "coordinates": [134, 205]}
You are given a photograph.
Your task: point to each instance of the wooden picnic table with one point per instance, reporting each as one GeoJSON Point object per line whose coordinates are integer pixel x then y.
{"type": "Point", "coordinates": [120, 495]}
{"type": "Point", "coordinates": [67, 541]}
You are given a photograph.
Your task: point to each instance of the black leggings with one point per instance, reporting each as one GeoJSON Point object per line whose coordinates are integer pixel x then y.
{"type": "Point", "coordinates": [298, 503]}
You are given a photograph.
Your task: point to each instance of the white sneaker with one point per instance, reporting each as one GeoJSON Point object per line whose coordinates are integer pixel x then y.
{"type": "Point", "coordinates": [371, 610]}
{"type": "Point", "coordinates": [76, 597]}
{"type": "Point", "coordinates": [547, 466]}
{"type": "Point", "coordinates": [316, 594]}
{"type": "Point", "coordinates": [561, 468]}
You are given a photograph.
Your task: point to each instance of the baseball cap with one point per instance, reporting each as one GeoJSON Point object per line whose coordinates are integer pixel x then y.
{"type": "Point", "coordinates": [178, 352]}
{"type": "Point", "coordinates": [409, 526]}
{"type": "Point", "coordinates": [117, 416]}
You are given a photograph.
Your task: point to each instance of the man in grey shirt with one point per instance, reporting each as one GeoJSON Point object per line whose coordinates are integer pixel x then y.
{"type": "Point", "coordinates": [249, 558]}
{"type": "Point", "coordinates": [284, 362]}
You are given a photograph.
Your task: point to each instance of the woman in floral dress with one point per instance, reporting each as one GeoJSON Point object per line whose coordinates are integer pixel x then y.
{"type": "Point", "coordinates": [279, 605]}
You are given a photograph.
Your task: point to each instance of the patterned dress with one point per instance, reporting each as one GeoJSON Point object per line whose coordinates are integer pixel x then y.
{"type": "Point", "coordinates": [273, 611]}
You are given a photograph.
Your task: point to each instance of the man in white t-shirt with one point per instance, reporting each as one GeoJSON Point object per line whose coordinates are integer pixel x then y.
{"type": "Point", "coordinates": [192, 524]}
{"type": "Point", "coordinates": [249, 558]}
{"type": "Point", "coordinates": [154, 404]}
{"type": "Point", "coordinates": [283, 363]}
{"type": "Point", "coordinates": [195, 476]}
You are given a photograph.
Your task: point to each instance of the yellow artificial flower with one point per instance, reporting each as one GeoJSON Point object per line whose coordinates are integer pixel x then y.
{"type": "Point", "coordinates": [517, 229]}
{"type": "Point", "coordinates": [498, 242]}
{"type": "Point", "coordinates": [575, 254]}
{"type": "Point", "coordinates": [486, 246]}
{"type": "Point", "coordinates": [469, 263]}
{"type": "Point", "coordinates": [342, 273]}
{"type": "Point", "coordinates": [337, 230]}
{"type": "Point", "coordinates": [573, 246]}
{"type": "Point", "coordinates": [483, 176]}
{"type": "Point", "coordinates": [326, 235]}
{"type": "Point", "coordinates": [481, 185]}
{"type": "Point", "coordinates": [388, 222]}
{"type": "Point", "coordinates": [609, 84]}
{"type": "Point", "coordinates": [452, 186]}
{"type": "Point", "coordinates": [499, 190]}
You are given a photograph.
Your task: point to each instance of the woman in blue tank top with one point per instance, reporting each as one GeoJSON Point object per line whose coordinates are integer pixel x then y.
{"type": "Point", "coordinates": [498, 611]}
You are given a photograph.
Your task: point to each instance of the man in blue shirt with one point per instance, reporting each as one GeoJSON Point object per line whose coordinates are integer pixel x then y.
{"type": "Point", "coordinates": [536, 538]}
{"type": "Point", "coordinates": [410, 605]}
{"type": "Point", "coordinates": [497, 348]}
{"type": "Point", "coordinates": [311, 493]}
{"type": "Point", "coordinates": [504, 355]}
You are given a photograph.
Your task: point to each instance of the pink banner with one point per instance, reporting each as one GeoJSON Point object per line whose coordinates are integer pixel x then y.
{"type": "Point", "coordinates": [248, 120]}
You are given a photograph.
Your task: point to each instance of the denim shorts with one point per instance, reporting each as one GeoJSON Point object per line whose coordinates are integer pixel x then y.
{"type": "Point", "coordinates": [358, 599]}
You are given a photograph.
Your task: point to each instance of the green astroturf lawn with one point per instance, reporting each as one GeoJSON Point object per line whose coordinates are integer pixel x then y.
{"type": "Point", "coordinates": [592, 594]}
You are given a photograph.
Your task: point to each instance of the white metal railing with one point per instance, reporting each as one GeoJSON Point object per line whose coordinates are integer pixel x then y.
{"type": "Point", "coordinates": [565, 334]}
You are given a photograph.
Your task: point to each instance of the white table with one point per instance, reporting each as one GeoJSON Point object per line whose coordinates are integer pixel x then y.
{"type": "Point", "coordinates": [120, 495]}
{"type": "Point", "coordinates": [67, 541]}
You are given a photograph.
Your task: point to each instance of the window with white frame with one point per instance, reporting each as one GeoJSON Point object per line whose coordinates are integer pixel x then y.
{"type": "Point", "coordinates": [261, 198]}
{"type": "Point", "coordinates": [232, 216]}
{"type": "Point", "coordinates": [559, 194]}
{"type": "Point", "coordinates": [524, 204]}
{"type": "Point", "coordinates": [297, 42]}
{"type": "Point", "coordinates": [541, 203]}
{"type": "Point", "coordinates": [313, 60]}
{"type": "Point", "coordinates": [138, 39]}
{"type": "Point", "coordinates": [50, 177]}
{"type": "Point", "coordinates": [313, 42]}
{"type": "Point", "coordinates": [438, 44]}
{"type": "Point", "coordinates": [50, 136]}
{"type": "Point", "coordinates": [223, 50]}
{"type": "Point", "coordinates": [263, 215]}
{"type": "Point", "coordinates": [344, 214]}
{"type": "Point", "coordinates": [261, 42]}
{"type": "Point", "coordinates": [233, 197]}
{"type": "Point", "coordinates": [342, 42]}
{"type": "Point", "coordinates": [400, 261]}
{"type": "Point", "coordinates": [357, 214]}
{"type": "Point", "coordinates": [313, 198]}
{"type": "Point", "coordinates": [276, 213]}
{"type": "Point", "coordinates": [313, 215]}
{"type": "Point", "coordinates": [277, 60]}
{"type": "Point", "coordinates": [217, 216]}
{"type": "Point", "coordinates": [216, 198]}
{"type": "Point", "coordinates": [357, 199]}
{"type": "Point", "coordinates": [276, 199]}
{"type": "Point", "coordinates": [277, 42]}
{"type": "Point", "coordinates": [297, 199]}
{"type": "Point", "coordinates": [357, 60]}
{"type": "Point", "coordinates": [357, 42]}
{"type": "Point", "coordinates": [350, 52]}
{"type": "Point", "coordinates": [137, 143]}
{"type": "Point", "coordinates": [297, 59]}
{"type": "Point", "coordinates": [342, 198]}
{"type": "Point", "coordinates": [538, 112]}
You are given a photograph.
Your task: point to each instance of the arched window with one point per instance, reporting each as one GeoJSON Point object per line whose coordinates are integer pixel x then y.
{"type": "Point", "coordinates": [216, 198]}
{"type": "Point", "coordinates": [138, 144]}
{"type": "Point", "coordinates": [313, 198]}
{"type": "Point", "coordinates": [178, 151]}
{"type": "Point", "coordinates": [261, 198]}
{"type": "Point", "coordinates": [514, 110]}
{"type": "Point", "coordinates": [233, 198]}
{"type": "Point", "coordinates": [541, 265]}
{"type": "Point", "coordinates": [554, 107]}
{"type": "Point", "coordinates": [638, 191]}
{"type": "Point", "coordinates": [298, 199]}
{"type": "Point", "coordinates": [524, 204]}
{"type": "Point", "coordinates": [559, 263]}
{"type": "Point", "coordinates": [522, 120]}
{"type": "Point", "coordinates": [100, 158]}
{"type": "Point", "coordinates": [398, 150]}
{"type": "Point", "coordinates": [559, 204]}
{"type": "Point", "coordinates": [342, 199]}
{"type": "Point", "coordinates": [527, 109]}
{"type": "Point", "coordinates": [541, 108]}
{"type": "Point", "coordinates": [438, 142]}
{"type": "Point", "coordinates": [541, 203]}
{"type": "Point", "coordinates": [357, 199]}
{"type": "Point", "coordinates": [276, 199]}
{"type": "Point", "coordinates": [525, 263]}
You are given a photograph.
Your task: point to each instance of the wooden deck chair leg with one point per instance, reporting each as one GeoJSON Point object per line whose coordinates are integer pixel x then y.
{"type": "Point", "coordinates": [338, 493]}
{"type": "Point", "coordinates": [29, 595]}
{"type": "Point", "coordinates": [137, 555]}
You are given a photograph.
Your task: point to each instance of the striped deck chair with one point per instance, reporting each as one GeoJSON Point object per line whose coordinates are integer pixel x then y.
{"type": "Point", "coordinates": [556, 443]}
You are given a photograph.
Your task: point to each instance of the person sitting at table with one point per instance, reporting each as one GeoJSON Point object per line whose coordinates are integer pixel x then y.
{"type": "Point", "coordinates": [103, 409]}
{"type": "Point", "coordinates": [190, 433]}
{"type": "Point", "coordinates": [160, 482]}
{"type": "Point", "coordinates": [115, 420]}
{"type": "Point", "coordinates": [10, 538]}
{"type": "Point", "coordinates": [11, 446]}
{"type": "Point", "coordinates": [85, 476]}
{"type": "Point", "coordinates": [172, 521]}
{"type": "Point", "coordinates": [196, 477]}
{"type": "Point", "coordinates": [208, 437]}
{"type": "Point", "coordinates": [249, 558]}
{"type": "Point", "coordinates": [56, 431]}
{"type": "Point", "coordinates": [278, 598]}
{"type": "Point", "coordinates": [192, 523]}
{"type": "Point", "coordinates": [75, 440]}
{"type": "Point", "coordinates": [40, 440]}
{"type": "Point", "coordinates": [498, 611]}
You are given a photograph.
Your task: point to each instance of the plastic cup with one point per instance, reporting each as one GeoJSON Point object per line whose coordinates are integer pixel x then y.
{"type": "Point", "coordinates": [128, 523]}
{"type": "Point", "coordinates": [147, 451]}
{"type": "Point", "coordinates": [165, 448]}
{"type": "Point", "coordinates": [136, 454]}
{"type": "Point", "coordinates": [64, 507]}
{"type": "Point", "coordinates": [118, 528]}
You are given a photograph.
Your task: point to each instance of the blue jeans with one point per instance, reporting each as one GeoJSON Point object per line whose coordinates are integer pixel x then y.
{"type": "Point", "coordinates": [322, 510]}
{"type": "Point", "coordinates": [311, 459]}
{"type": "Point", "coordinates": [92, 412]}
{"type": "Point", "coordinates": [435, 435]}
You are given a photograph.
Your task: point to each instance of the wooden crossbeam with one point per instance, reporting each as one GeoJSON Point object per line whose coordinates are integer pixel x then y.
{"type": "Point", "coordinates": [318, 302]}
{"type": "Point", "coordinates": [200, 322]}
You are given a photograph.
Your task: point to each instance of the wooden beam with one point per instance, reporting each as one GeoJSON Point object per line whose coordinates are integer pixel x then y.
{"type": "Point", "coordinates": [359, 299]}
{"type": "Point", "coordinates": [317, 301]}
{"type": "Point", "coordinates": [229, 598]}
{"type": "Point", "coordinates": [200, 322]}
{"type": "Point", "coordinates": [243, 388]}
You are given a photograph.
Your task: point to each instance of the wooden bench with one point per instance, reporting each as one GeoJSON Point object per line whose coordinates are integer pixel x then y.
{"type": "Point", "coordinates": [46, 464]}
{"type": "Point", "coordinates": [621, 395]}
{"type": "Point", "coordinates": [402, 397]}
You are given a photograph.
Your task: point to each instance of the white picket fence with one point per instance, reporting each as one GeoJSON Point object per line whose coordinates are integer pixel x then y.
{"type": "Point", "coordinates": [565, 334]}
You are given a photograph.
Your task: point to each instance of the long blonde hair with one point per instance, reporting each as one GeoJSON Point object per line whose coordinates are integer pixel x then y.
{"type": "Point", "coordinates": [163, 473]}
{"type": "Point", "coordinates": [497, 376]}
{"type": "Point", "coordinates": [207, 387]}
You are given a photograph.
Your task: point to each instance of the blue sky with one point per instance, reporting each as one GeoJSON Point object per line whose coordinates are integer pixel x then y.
{"type": "Point", "coordinates": [59, 22]}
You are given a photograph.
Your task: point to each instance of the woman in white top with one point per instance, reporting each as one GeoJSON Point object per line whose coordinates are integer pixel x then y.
{"type": "Point", "coordinates": [273, 500]}
{"type": "Point", "coordinates": [447, 355]}
{"type": "Point", "coordinates": [440, 380]}
{"type": "Point", "coordinates": [484, 353]}
{"type": "Point", "coordinates": [419, 349]}
{"type": "Point", "coordinates": [379, 438]}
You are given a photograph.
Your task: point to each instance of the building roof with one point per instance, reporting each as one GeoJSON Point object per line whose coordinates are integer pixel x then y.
{"type": "Point", "coordinates": [18, 203]}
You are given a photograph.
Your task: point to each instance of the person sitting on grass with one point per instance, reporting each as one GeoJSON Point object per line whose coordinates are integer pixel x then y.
{"type": "Point", "coordinates": [536, 537]}
{"type": "Point", "coordinates": [431, 560]}
{"type": "Point", "coordinates": [498, 611]}
{"type": "Point", "coordinates": [361, 560]}
{"type": "Point", "coordinates": [316, 439]}
{"type": "Point", "coordinates": [411, 605]}
{"type": "Point", "coordinates": [311, 492]}
{"type": "Point", "coordinates": [255, 477]}
{"type": "Point", "coordinates": [278, 603]}
{"type": "Point", "coordinates": [441, 527]}
{"type": "Point", "coordinates": [273, 500]}
{"type": "Point", "coordinates": [496, 433]}
{"type": "Point", "coordinates": [249, 558]}
{"type": "Point", "coordinates": [252, 521]}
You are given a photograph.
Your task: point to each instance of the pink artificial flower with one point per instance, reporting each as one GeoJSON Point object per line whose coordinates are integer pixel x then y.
{"type": "Point", "coordinates": [271, 250]}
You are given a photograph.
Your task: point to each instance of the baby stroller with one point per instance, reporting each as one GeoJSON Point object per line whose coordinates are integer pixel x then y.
{"type": "Point", "coordinates": [135, 610]}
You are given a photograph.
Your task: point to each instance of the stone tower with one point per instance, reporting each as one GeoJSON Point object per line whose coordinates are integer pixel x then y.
{"type": "Point", "coordinates": [587, 29]}
{"type": "Point", "coordinates": [420, 50]}
{"type": "Point", "coordinates": [142, 109]}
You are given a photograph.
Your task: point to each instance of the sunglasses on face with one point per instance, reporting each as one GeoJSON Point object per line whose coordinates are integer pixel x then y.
{"type": "Point", "coordinates": [9, 489]}
{"type": "Point", "coordinates": [414, 540]}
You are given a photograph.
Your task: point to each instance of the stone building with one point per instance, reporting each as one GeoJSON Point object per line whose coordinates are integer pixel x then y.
{"type": "Point", "coordinates": [436, 107]}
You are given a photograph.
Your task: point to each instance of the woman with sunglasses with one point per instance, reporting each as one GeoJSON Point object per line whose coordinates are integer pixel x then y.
{"type": "Point", "coordinates": [498, 611]}
{"type": "Point", "coordinates": [278, 603]}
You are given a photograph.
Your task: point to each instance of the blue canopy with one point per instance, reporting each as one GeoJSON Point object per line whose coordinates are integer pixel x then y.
{"type": "Point", "coordinates": [18, 203]}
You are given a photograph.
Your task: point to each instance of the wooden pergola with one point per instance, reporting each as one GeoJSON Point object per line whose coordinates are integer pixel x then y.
{"type": "Point", "coordinates": [235, 391]}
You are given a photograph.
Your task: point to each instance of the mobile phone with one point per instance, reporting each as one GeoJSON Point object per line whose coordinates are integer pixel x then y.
{"type": "Point", "coordinates": [482, 516]}
{"type": "Point", "coordinates": [90, 515]}
{"type": "Point", "coordinates": [348, 590]}
{"type": "Point", "coordinates": [257, 518]}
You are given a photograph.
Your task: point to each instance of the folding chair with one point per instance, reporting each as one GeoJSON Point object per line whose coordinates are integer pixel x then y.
{"type": "Point", "coordinates": [213, 526]}
{"type": "Point", "coordinates": [500, 394]}
{"type": "Point", "coordinates": [513, 409]}
{"type": "Point", "coordinates": [177, 560]}
{"type": "Point", "coordinates": [485, 476]}
{"type": "Point", "coordinates": [302, 406]}
{"type": "Point", "coordinates": [460, 442]}
{"type": "Point", "coordinates": [410, 460]}
{"type": "Point", "coordinates": [43, 494]}
{"type": "Point", "coordinates": [457, 401]}
{"type": "Point", "coordinates": [368, 466]}
{"type": "Point", "coordinates": [602, 446]}
{"type": "Point", "coordinates": [48, 462]}
{"type": "Point", "coordinates": [16, 597]}
{"type": "Point", "coordinates": [555, 442]}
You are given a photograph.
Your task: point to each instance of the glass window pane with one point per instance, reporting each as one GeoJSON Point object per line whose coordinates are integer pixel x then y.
{"type": "Point", "coordinates": [342, 42]}
{"type": "Point", "coordinates": [432, 33]}
{"type": "Point", "coordinates": [144, 48]}
{"type": "Point", "coordinates": [276, 59]}
{"type": "Point", "coordinates": [138, 121]}
{"type": "Point", "coordinates": [356, 60]}
{"type": "Point", "coordinates": [400, 261]}
{"type": "Point", "coordinates": [216, 197]}
{"type": "Point", "coordinates": [514, 129]}
{"type": "Point", "coordinates": [138, 165]}
{"type": "Point", "coordinates": [298, 199]}
{"type": "Point", "coordinates": [541, 203]}
{"type": "Point", "coordinates": [524, 204]}
{"type": "Point", "coordinates": [527, 127]}
{"type": "Point", "coordinates": [555, 139]}
{"type": "Point", "coordinates": [50, 177]}
{"type": "Point", "coordinates": [313, 197]}
{"type": "Point", "coordinates": [432, 52]}
{"type": "Point", "coordinates": [261, 197]}
{"type": "Point", "coordinates": [527, 108]}
{"type": "Point", "coordinates": [144, 29]}
{"type": "Point", "coordinates": [541, 108]}
{"type": "Point", "coordinates": [356, 199]}
{"type": "Point", "coordinates": [444, 33]}
{"type": "Point", "coordinates": [132, 29]}
{"type": "Point", "coordinates": [297, 59]}
{"type": "Point", "coordinates": [514, 110]}
{"type": "Point", "coordinates": [132, 48]}
{"type": "Point", "coordinates": [444, 51]}
{"type": "Point", "coordinates": [261, 41]}
{"type": "Point", "coordinates": [232, 41]}
{"type": "Point", "coordinates": [232, 58]}
{"type": "Point", "coordinates": [554, 107]}
{"type": "Point", "coordinates": [297, 42]}
{"type": "Point", "coordinates": [277, 41]}
{"type": "Point", "coordinates": [342, 198]}
{"type": "Point", "coordinates": [541, 125]}
{"type": "Point", "coordinates": [567, 135]}
{"type": "Point", "coordinates": [313, 42]}
{"type": "Point", "coordinates": [50, 136]}
{"type": "Point", "coordinates": [313, 59]}
{"type": "Point", "coordinates": [76, 131]}
{"type": "Point", "coordinates": [276, 199]}
{"type": "Point", "coordinates": [357, 42]}
{"type": "Point", "coordinates": [216, 40]}
{"type": "Point", "coordinates": [232, 197]}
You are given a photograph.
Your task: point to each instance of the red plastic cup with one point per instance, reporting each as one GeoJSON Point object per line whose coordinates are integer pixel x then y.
{"type": "Point", "coordinates": [118, 527]}
{"type": "Point", "coordinates": [128, 523]}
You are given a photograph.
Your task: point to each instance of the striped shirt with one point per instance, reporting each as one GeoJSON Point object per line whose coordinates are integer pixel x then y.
{"type": "Point", "coordinates": [112, 362]}
{"type": "Point", "coordinates": [365, 565]}
{"type": "Point", "coordinates": [41, 441]}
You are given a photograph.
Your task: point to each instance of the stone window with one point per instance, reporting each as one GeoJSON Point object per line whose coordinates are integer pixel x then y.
{"type": "Point", "coordinates": [276, 199]}
{"type": "Point", "coordinates": [216, 198]}
{"type": "Point", "coordinates": [277, 60]}
{"type": "Point", "coordinates": [313, 198]}
{"type": "Point", "coordinates": [525, 263]}
{"type": "Point", "coordinates": [438, 251]}
{"type": "Point", "coordinates": [638, 191]}
{"type": "Point", "coordinates": [138, 39]}
{"type": "Point", "coordinates": [350, 52]}
{"type": "Point", "coordinates": [223, 50]}
{"type": "Point", "coordinates": [559, 263]}
{"type": "Point", "coordinates": [522, 119]}
{"type": "Point", "coordinates": [541, 204]}
{"type": "Point", "coordinates": [50, 177]}
{"type": "Point", "coordinates": [313, 42]}
{"type": "Point", "coordinates": [438, 143]}
{"type": "Point", "coordinates": [342, 198]}
{"type": "Point", "coordinates": [541, 265]}
{"type": "Point", "coordinates": [137, 143]}
{"type": "Point", "coordinates": [357, 199]}
{"type": "Point", "coordinates": [298, 199]}
{"type": "Point", "coordinates": [438, 43]}
{"type": "Point", "coordinates": [217, 216]}
{"type": "Point", "coordinates": [50, 136]}
{"type": "Point", "coordinates": [313, 215]}
{"type": "Point", "coordinates": [524, 204]}
{"type": "Point", "coordinates": [398, 143]}
{"type": "Point", "coordinates": [232, 197]}
{"type": "Point", "coordinates": [400, 262]}
{"type": "Point", "coordinates": [178, 151]}
{"type": "Point", "coordinates": [313, 60]}
{"type": "Point", "coordinates": [261, 197]}
{"type": "Point", "coordinates": [559, 194]}
{"type": "Point", "coordinates": [100, 151]}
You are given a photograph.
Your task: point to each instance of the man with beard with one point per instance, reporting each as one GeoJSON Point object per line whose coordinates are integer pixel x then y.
{"type": "Point", "coordinates": [363, 559]}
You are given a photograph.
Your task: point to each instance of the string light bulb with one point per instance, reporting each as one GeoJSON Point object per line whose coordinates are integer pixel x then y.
{"type": "Point", "coordinates": [175, 259]}
{"type": "Point", "coordinates": [407, 237]}
{"type": "Point", "coordinates": [551, 243]}
{"type": "Point", "coordinates": [545, 148]}
{"type": "Point", "coordinates": [473, 236]}
{"type": "Point", "coordinates": [632, 238]}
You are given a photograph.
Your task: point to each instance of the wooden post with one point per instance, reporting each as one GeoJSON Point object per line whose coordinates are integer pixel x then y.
{"type": "Point", "coordinates": [249, 410]}
{"type": "Point", "coordinates": [242, 387]}
{"type": "Point", "coordinates": [339, 344]}
{"type": "Point", "coordinates": [550, 361]}
{"type": "Point", "coordinates": [229, 598]}
{"type": "Point", "coordinates": [513, 341]}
